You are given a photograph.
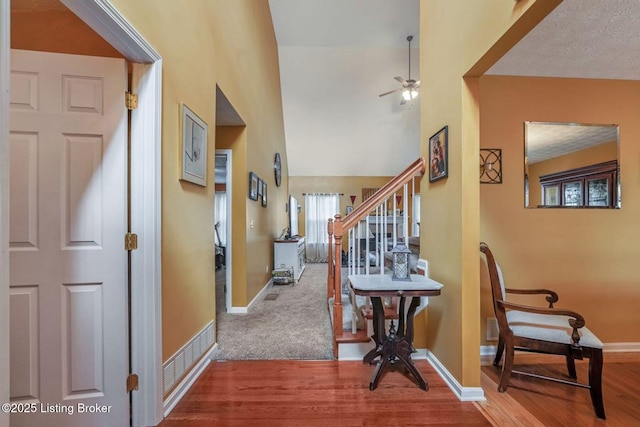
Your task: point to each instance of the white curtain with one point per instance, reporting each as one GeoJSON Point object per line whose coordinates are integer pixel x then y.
{"type": "Point", "coordinates": [220, 215]}
{"type": "Point", "coordinates": [318, 209]}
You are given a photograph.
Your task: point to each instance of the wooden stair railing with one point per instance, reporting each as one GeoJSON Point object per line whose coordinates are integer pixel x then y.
{"type": "Point", "coordinates": [339, 226]}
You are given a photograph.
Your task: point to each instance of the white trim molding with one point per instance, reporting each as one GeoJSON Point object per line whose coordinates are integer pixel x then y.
{"type": "Point", "coordinates": [356, 351]}
{"type": "Point", "coordinates": [146, 308]}
{"type": "Point", "coordinates": [229, 243]}
{"type": "Point", "coordinates": [107, 21]}
{"type": "Point", "coordinates": [622, 347]}
{"type": "Point", "coordinates": [5, 37]}
{"type": "Point", "coordinates": [488, 352]}
{"type": "Point", "coordinates": [254, 301]}
{"type": "Point", "coordinates": [192, 358]}
{"type": "Point", "coordinates": [465, 394]}
{"type": "Point", "coordinates": [146, 274]}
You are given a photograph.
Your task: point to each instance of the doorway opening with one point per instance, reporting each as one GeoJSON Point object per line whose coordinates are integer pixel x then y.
{"type": "Point", "coordinates": [145, 70]}
{"type": "Point", "coordinates": [222, 224]}
{"type": "Point", "coordinates": [226, 116]}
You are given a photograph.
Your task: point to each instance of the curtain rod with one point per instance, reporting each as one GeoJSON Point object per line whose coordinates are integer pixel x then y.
{"type": "Point", "coordinates": [321, 194]}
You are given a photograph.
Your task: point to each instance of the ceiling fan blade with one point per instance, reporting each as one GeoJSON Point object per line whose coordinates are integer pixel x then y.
{"type": "Point", "coordinates": [403, 101]}
{"type": "Point", "coordinates": [416, 84]}
{"type": "Point", "coordinates": [391, 91]}
{"type": "Point", "coordinates": [401, 80]}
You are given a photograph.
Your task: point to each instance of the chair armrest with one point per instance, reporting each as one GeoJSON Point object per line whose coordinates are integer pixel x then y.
{"type": "Point", "coordinates": [576, 323]}
{"type": "Point", "coordinates": [551, 297]}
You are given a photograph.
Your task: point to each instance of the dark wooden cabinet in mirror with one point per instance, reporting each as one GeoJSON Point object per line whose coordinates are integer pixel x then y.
{"type": "Point", "coordinates": [571, 165]}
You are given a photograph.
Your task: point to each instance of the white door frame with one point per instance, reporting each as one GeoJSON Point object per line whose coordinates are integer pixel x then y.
{"type": "Point", "coordinates": [146, 313]}
{"type": "Point", "coordinates": [228, 259]}
{"type": "Point", "coordinates": [5, 37]}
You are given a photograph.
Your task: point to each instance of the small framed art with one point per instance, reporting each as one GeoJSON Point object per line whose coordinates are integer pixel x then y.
{"type": "Point", "coordinates": [194, 147]}
{"type": "Point", "coordinates": [260, 186]}
{"type": "Point", "coordinates": [264, 194]}
{"type": "Point", "coordinates": [438, 155]}
{"type": "Point", "coordinates": [253, 186]}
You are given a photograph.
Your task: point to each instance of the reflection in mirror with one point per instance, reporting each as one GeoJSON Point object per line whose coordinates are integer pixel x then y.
{"type": "Point", "coordinates": [571, 165]}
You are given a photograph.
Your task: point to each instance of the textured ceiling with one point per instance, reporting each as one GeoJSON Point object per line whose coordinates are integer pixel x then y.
{"type": "Point", "coordinates": [548, 140]}
{"type": "Point", "coordinates": [597, 39]}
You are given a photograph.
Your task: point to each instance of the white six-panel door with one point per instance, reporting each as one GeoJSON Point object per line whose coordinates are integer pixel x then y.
{"type": "Point", "coordinates": [68, 266]}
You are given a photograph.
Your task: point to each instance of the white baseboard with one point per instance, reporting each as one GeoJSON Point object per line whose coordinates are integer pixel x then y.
{"type": "Point", "coordinates": [257, 299]}
{"type": "Point", "coordinates": [465, 394]}
{"type": "Point", "coordinates": [356, 351]}
{"type": "Point", "coordinates": [627, 347]}
{"type": "Point", "coordinates": [488, 352]}
{"type": "Point", "coordinates": [187, 359]}
{"type": "Point", "coordinates": [178, 393]}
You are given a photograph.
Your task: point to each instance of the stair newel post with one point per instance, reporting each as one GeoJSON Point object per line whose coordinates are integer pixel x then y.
{"type": "Point", "coordinates": [338, 231]}
{"type": "Point", "coordinates": [330, 259]}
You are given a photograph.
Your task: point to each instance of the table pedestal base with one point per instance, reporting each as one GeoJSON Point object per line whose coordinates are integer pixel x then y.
{"type": "Point", "coordinates": [397, 346]}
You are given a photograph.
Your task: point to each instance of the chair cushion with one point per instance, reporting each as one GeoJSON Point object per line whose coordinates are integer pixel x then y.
{"type": "Point", "coordinates": [545, 327]}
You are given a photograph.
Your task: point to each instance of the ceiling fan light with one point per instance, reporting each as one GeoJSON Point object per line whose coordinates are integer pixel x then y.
{"type": "Point", "coordinates": [413, 93]}
{"type": "Point", "coordinates": [406, 95]}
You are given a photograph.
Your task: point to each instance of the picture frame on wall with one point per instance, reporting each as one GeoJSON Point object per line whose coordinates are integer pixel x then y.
{"type": "Point", "coordinates": [194, 147]}
{"type": "Point", "coordinates": [253, 186]}
{"type": "Point", "coordinates": [439, 155]}
{"type": "Point", "coordinates": [260, 186]}
{"type": "Point", "coordinates": [264, 194]}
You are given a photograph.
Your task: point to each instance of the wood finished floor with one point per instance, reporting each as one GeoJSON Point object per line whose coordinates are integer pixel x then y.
{"type": "Point", "coordinates": [534, 402]}
{"type": "Point", "coordinates": [317, 393]}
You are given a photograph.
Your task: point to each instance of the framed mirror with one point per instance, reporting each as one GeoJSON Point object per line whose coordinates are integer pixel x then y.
{"type": "Point", "coordinates": [571, 165]}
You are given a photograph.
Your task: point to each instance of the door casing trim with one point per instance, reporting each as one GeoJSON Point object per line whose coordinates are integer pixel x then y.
{"type": "Point", "coordinates": [146, 352]}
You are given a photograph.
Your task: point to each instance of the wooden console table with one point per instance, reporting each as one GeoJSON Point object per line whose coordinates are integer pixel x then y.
{"type": "Point", "coordinates": [398, 344]}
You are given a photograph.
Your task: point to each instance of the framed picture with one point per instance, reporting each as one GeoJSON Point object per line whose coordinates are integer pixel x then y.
{"type": "Point", "coordinates": [260, 185]}
{"type": "Point", "coordinates": [438, 155]}
{"type": "Point", "coordinates": [349, 209]}
{"type": "Point", "coordinates": [253, 186]}
{"type": "Point", "coordinates": [194, 147]}
{"type": "Point", "coordinates": [264, 194]}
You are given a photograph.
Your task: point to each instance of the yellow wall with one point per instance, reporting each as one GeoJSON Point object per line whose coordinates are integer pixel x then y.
{"type": "Point", "coordinates": [460, 38]}
{"type": "Point", "coordinates": [230, 43]}
{"type": "Point", "coordinates": [588, 256]}
{"type": "Point", "coordinates": [588, 156]}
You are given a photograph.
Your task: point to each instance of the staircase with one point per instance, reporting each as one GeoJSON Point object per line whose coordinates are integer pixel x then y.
{"type": "Point", "coordinates": [370, 231]}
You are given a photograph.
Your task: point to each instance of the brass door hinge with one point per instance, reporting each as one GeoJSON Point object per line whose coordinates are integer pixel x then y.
{"type": "Point", "coordinates": [131, 100]}
{"type": "Point", "coordinates": [130, 242]}
{"type": "Point", "coordinates": [132, 382]}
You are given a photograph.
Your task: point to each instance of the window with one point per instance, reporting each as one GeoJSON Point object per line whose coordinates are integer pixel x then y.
{"type": "Point", "coordinates": [318, 209]}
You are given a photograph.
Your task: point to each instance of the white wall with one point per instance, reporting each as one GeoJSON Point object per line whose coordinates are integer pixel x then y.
{"type": "Point", "coordinates": [333, 114]}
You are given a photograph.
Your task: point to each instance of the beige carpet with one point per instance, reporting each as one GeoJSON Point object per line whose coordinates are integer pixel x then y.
{"type": "Point", "coordinates": [294, 325]}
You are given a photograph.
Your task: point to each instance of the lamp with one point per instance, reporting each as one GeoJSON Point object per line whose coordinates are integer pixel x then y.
{"type": "Point", "coordinates": [490, 166]}
{"type": "Point", "coordinates": [409, 94]}
{"type": "Point", "coordinates": [400, 266]}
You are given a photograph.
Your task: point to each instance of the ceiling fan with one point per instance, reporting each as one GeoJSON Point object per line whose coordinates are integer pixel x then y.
{"type": "Point", "coordinates": [409, 87]}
